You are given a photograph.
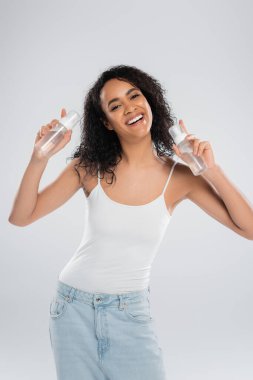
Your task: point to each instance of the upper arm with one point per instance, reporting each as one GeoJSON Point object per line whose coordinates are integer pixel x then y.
{"type": "Point", "coordinates": [203, 194]}
{"type": "Point", "coordinates": [56, 193]}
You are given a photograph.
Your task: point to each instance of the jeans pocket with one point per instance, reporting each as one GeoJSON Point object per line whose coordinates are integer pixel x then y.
{"type": "Point", "coordinates": [58, 307]}
{"type": "Point", "coordinates": [138, 311]}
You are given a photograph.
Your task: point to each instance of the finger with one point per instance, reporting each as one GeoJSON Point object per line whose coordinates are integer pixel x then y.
{"type": "Point", "coordinates": [47, 127]}
{"type": "Point", "coordinates": [63, 112]}
{"type": "Point", "coordinates": [43, 129]}
{"type": "Point", "coordinates": [191, 137]}
{"type": "Point", "coordinates": [68, 133]}
{"type": "Point", "coordinates": [39, 132]}
{"type": "Point", "coordinates": [195, 145]}
{"type": "Point", "coordinates": [67, 136]}
{"type": "Point", "coordinates": [181, 123]}
{"type": "Point", "coordinates": [201, 148]}
{"type": "Point", "coordinates": [53, 123]}
{"type": "Point", "coordinates": [176, 150]}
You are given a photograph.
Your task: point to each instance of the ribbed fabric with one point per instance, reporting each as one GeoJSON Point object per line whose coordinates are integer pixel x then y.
{"type": "Point", "coordinates": [119, 244]}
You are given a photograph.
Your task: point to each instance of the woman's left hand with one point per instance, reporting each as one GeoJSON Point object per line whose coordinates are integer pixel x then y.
{"type": "Point", "coordinates": [201, 149]}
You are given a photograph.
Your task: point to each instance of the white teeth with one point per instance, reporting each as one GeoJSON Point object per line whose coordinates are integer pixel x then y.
{"type": "Point", "coordinates": [135, 119]}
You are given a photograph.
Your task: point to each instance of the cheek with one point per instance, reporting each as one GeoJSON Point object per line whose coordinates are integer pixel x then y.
{"type": "Point", "coordinates": [149, 111]}
{"type": "Point", "coordinates": [114, 120]}
{"type": "Point", "coordinates": [147, 106]}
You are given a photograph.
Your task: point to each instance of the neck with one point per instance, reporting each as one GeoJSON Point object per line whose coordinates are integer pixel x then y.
{"type": "Point", "coordinates": [139, 154]}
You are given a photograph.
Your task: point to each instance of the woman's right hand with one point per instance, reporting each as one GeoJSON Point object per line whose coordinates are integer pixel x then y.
{"type": "Point", "coordinates": [36, 155]}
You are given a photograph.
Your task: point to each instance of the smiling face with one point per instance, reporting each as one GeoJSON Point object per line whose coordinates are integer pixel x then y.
{"type": "Point", "coordinates": [122, 103]}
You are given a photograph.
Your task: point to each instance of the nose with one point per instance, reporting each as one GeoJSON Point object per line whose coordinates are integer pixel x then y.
{"type": "Point", "coordinates": [128, 108]}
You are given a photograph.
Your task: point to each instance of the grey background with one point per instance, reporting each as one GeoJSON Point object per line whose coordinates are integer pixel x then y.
{"type": "Point", "coordinates": [201, 283]}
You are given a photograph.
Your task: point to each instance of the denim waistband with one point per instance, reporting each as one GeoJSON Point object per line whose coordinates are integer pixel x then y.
{"type": "Point", "coordinates": [70, 293]}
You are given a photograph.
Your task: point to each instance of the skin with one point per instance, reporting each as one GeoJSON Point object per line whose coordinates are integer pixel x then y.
{"type": "Point", "coordinates": [141, 174]}
{"type": "Point", "coordinates": [135, 141]}
{"type": "Point", "coordinates": [140, 164]}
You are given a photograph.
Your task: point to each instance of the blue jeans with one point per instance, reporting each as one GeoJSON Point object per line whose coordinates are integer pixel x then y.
{"type": "Point", "coordinates": [99, 336]}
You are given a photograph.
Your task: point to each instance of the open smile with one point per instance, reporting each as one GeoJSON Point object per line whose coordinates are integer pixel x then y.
{"type": "Point", "coordinates": [136, 121]}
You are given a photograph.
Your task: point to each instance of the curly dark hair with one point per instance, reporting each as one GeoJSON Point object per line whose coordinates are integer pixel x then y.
{"type": "Point", "coordinates": [100, 149]}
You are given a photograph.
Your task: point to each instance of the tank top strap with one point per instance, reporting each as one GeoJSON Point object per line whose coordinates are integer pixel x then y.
{"type": "Point", "coordinates": [98, 177]}
{"type": "Point", "coordinates": [171, 171]}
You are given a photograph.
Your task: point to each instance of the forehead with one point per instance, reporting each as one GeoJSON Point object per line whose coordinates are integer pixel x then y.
{"type": "Point", "coordinates": [114, 88]}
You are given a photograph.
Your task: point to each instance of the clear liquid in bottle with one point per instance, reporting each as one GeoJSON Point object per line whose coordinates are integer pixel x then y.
{"type": "Point", "coordinates": [195, 163]}
{"type": "Point", "coordinates": [56, 134]}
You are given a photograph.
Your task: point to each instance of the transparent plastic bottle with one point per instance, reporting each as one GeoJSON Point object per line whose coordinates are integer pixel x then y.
{"type": "Point", "coordinates": [195, 163]}
{"type": "Point", "coordinates": [56, 134]}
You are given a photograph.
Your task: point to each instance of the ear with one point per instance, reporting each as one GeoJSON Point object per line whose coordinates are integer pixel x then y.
{"type": "Point", "coordinates": [107, 125]}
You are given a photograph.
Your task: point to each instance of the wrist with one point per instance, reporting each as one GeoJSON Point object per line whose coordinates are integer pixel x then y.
{"type": "Point", "coordinates": [212, 171]}
{"type": "Point", "coordinates": [38, 160]}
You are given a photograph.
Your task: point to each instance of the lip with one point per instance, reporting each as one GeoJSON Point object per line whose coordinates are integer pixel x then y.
{"type": "Point", "coordinates": [132, 117]}
{"type": "Point", "coordinates": [137, 123]}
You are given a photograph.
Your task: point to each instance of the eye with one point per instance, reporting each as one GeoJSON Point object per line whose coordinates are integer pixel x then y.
{"type": "Point", "coordinates": [134, 96]}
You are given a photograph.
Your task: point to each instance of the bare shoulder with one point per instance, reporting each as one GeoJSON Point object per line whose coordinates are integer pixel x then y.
{"type": "Point", "coordinates": [180, 184]}
{"type": "Point", "coordinates": [184, 177]}
{"type": "Point", "coordinates": [188, 181]}
{"type": "Point", "coordinates": [181, 171]}
{"type": "Point", "coordinates": [87, 181]}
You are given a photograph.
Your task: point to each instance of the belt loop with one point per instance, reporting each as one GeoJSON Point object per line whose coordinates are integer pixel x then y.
{"type": "Point", "coordinates": [71, 295]}
{"type": "Point", "coordinates": [121, 303]}
{"type": "Point", "coordinates": [148, 294]}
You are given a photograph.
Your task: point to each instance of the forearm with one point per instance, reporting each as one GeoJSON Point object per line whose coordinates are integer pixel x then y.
{"type": "Point", "coordinates": [26, 197]}
{"type": "Point", "coordinates": [239, 208]}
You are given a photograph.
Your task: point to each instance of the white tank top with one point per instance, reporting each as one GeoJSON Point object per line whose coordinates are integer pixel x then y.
{"type": "Point", "coordinates": [119, 244]}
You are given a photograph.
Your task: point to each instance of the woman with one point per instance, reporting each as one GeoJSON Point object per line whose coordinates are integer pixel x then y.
{"type": "Point", "coordinates": [101, 326]}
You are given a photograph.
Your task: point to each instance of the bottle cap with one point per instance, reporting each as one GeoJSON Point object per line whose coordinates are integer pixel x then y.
{"type": "Point", "coordinates": [70, 120]}
{"type": "Point", "coordinates": [177, 133]}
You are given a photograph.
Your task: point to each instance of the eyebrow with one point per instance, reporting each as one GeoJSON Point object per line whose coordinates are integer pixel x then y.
{"type": "Point", "coordinates": [127, 93]}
